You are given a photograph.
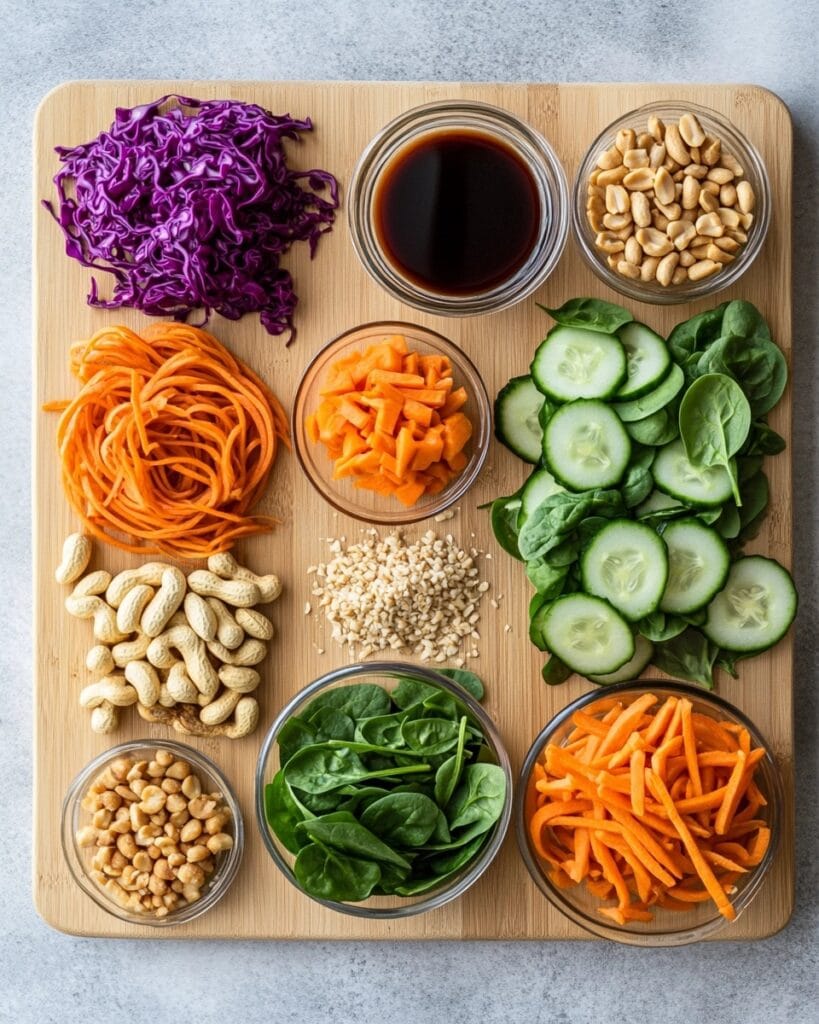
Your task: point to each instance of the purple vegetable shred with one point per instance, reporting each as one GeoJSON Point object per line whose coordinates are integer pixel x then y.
{"type": "Point", "coordinates": [192, 209]}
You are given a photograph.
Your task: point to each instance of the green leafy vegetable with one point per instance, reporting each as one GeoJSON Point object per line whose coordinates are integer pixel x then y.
{"type": "Point", "coordinates": [715, 418]}
{"type": "Point", "coordinates": [688, 656]}
{"type": "Point", "coordinates": [592, 314]}
{"type": "Point", "coordinates": [384, 793]}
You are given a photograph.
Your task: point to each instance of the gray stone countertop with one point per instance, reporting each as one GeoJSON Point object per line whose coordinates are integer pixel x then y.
{"type": "Point", "coordinates": [46, 977]}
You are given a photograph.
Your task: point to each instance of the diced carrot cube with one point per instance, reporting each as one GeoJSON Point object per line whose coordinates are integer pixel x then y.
{"type": "Point", "coordinates": [457, 431]}
{"type": "Point", "coordinates": [353, 444]}
{"type": "Point", "coordinates": [353, 413]}
{"type": "Point", "coordinates": [398, 342]}
{"type": "Point", "coordinates": [458, 462]}
{"type": "Point", "coordinates": [381, 442]}
{"type": "Point", "coordinates": [418, 412]}
{"type": "Point", "coordinates": [429, 396]}
{"type": "Point", "coordinates": [399, 380]}
{"type": "Point", "coordinates": [311, 428]}
{"type": "Point", "coordinates": [409, 493]}
{"type": "Point", "coordinates": [411, 363]}
{"type": "Point", "coordinates": [457, 400]}
{"type": "Point", "coordinates": [387, 414]}
{"type": "Point", "coordinates": [339, 383]}
{"type": "Point", "coordinates": [428, 451]}
{"type": "Point", "coordinates": [405, 449]}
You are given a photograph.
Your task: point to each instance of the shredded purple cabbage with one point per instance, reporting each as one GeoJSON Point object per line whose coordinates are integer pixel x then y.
{"type": "Point", "coordinates": [193, 210]}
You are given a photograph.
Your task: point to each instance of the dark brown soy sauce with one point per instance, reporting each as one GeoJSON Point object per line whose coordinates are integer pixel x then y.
{"type": "Point", "coordinates": [457, 213]}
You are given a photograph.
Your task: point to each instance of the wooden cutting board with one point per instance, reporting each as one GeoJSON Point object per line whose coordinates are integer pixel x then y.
{"type": "Point", "coordinates": [335, 293]}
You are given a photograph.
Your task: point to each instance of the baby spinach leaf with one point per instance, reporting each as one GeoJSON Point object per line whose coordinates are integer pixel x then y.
{"type": "Point", "coordinates": [359, 700]}
{"type": "Point", "coordinates": [448, 775]}
{"type": "Point", "coordinates": [660, 626]}
{"type": "Point", "coordinates": [695, 334]}
{"type": "Point", "coordinates": [430, 736]}
{"type": "Point", "coordinates": [465, 679]}
{"type": "Point", "coordinates": [331, 724]}
{"type": "Point", "coordinates": [331, 875]}
{"type": "Point", "coordinates": [411, 692]}
{"type": "Point", "coordinates": [555, 672]}
{"type": "Point", "coordinates": [282, 813]}
{"type": "Point", "coordinates": [728, 524]}
{"type": "Point", "coordinates": [714, 422]}
{"type": "Point", "coordinates": [323, 768]}
{"type": "Point", "coordinates": [478, 801]}
{"type": "Point", "coordinates": [590, 314]}
{"type": "Point", "coordinates": [744, 320]}
{"type": "Point", "coordinates": [553, 520]}
{"type": "Point", "coordinates": [382, 731]}
{"type": "Point", "coordinates": [293, 735]}
{"type": "Point", "coordinates": [547, 579]}
{"type": "Point", "coordinates": [343, 832]}
{"type": "Point", "coordinates": [757, 365]}
{"type": "Point", "coordinates": [402, 819]}
{"type": "Point", "coordinates": [445, 864]}
{"type": "Point", "coordinates": [637, 486]}
{"type": "Point", "coordinates": [503, 514]}
{"type": "Point", "coordinates": [755, 496]}
{"type": "Point", "coordinates": [764, 440]}
{"type": "Point", "coordinates": [688, 656]}
{"type": "Point", "coordinates": [538, 609]}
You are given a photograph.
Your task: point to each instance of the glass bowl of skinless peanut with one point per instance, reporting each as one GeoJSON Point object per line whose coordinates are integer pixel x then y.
{"type": "Point", "coordinates": [671, 203]}
{"type": "Point", "coordinates": [153, 833]}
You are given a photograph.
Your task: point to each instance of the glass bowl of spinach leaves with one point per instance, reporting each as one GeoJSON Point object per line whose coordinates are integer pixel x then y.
{"type": "Point", "coordinates": [383, 790]}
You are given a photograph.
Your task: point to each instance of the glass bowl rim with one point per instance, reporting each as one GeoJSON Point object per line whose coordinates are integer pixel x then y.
{"type": "Point", "coordinates": [481, 438]}
{"type": "Point", "coordinates": [549, 175]}
{"type": "Point", "coordinates": [640, 291]}
{"type": "Point", "coordinates": [621, 933]}
{"type": "Point", "coordinates": [462, 882]}
{"type": "Point", "coordinates": [73, 858]}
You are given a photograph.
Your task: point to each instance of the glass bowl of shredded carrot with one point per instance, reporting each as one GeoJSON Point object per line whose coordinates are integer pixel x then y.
{"type": "Point", "coordinates": [650, 814]}
{"type": "Point", "coordinates": [391, 423]}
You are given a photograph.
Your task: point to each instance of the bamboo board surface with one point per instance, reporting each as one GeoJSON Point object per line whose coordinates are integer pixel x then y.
{"type": "Point", "coordinates": [335, 293]}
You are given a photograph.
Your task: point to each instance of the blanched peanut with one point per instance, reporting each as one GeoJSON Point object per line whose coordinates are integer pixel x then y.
{"type": "Point", "coordinates": [703, 268]}
{"type": "Point", "coordinates": [663, 186]}
{"type": "Point", "coordinates": [666, 268]}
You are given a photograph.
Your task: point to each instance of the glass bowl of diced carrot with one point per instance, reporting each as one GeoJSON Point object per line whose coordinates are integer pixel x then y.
{"type": "Point", "coordinates": [391, 423]}
{"type": "Point", "coordinates": [650, 814]}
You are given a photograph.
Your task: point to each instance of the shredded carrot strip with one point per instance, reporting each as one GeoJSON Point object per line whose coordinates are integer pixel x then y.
{"type": "Point", "coordinates": [170, 442]}
{"type": "Point", "coordinates": [650, 805]}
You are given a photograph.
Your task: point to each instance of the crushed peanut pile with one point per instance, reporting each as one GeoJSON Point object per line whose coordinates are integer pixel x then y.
{"type": "Point", "coordinates": [386, 594]}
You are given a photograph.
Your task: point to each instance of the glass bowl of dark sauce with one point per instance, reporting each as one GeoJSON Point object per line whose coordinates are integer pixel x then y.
{"type": "Point", "coordinates": [459, 208]}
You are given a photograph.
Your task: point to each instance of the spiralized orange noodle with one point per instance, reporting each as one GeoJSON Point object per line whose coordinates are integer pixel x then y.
{"type": "Point", "coordinates": [170, 441]}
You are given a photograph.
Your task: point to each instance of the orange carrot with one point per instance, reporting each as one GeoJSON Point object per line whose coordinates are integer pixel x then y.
{"type": "Point", "coordinates": [648, 804]}
{"type": "Point", "coordinates": [169, 444]}
{"type": "Point", "coordinates": [401, 405]}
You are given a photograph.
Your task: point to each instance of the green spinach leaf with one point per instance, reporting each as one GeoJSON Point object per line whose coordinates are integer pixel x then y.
{"type": "Point", "coordinates": [688, 656]}
{"type": "Point", "coordinates": [714, 422]}
{"type": "Point", "coordinates": [331, 875]}
{"type": "Point", "coordinates": [478, 801]}
{"type": "Point", "coordinates": [590, 314]}
{"type": "Point", "coordinates": [555, 672]}
{"type": "Point", "coordinates": [466, 680]}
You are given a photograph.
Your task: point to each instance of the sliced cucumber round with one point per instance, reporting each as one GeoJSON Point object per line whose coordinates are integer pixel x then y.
{"type": "Point", "coordinates": [694, 485]}
{"type": "Point", "coordinates": [540, 486]}
{"type": "Point", "coordinates": [587, 634]}
{"type": "Point", "coordinates": [659, 428]}
{"type": "Point", "coordinates": [698, 564]}
{"type": "Point", "coordinates": [627, 564]}
{"type": "Point", "coordinates": [643, 652]}
{"type": "Point", "coordinates": [639, 408]}
{"type": "Point", "coordinates": [516, 418]}
{"type": "Point", "coordinates": [586, 446]}
{"type": "Point", "coordinates": [574, 363]}
{"type": "Point", "coordinates": [648, 360]}
{"type": "Point", "coordinates": [755, 608]}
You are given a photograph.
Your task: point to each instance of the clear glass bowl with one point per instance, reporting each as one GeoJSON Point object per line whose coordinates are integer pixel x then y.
{"type": "Point", "coordinates": [535, 152]}
{"type": "Point", "coordinates": [317, 464]}
{"type": "Point", "coordinates": [79, 858]}
{"type": "Point", "coordinates": [387, 675]}
{"type": "Point", "coordinates": [735, 143]}
{"type": "Point", "coordinates": [668, 928]}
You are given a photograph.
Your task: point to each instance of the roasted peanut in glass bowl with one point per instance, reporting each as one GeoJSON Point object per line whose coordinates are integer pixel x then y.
{"type": "Point", "coordinates": [661, 231]}
{"type": "Point", "coordinates": [152, 832]}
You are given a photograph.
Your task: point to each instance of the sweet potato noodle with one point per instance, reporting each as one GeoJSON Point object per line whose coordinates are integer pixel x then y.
{"type": "Point", "coordinates": [170, 441]}
{"type": "Point", "coordinates": [192, 209]}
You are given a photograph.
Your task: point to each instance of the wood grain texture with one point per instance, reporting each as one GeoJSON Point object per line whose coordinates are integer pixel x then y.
{"type": "Point", "coordinates": [335, 293]}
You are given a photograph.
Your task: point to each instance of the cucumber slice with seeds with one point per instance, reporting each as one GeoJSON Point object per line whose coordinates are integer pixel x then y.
{"type": "Point", "coordinates": [648, 360]}
{"type": "Point", "coordinates": [640, 408]}
{"type": "Point", "coordinates": [574, 363]}
{"type": "Point", "coordinates": [698, 564]}
{"type": "Point", "coordinates": [586, 446]}
{"type": "Point", "coordinates": [755, 608]}
{"type": "Point", "coordinates": [587, 634]}
{"type": "Point", "coordinates": [675, 474]}
{"type": "Point", "coordinates": [516, 418]}
{"type": "Point", "coordinates": [540, 486]}
{"type": "Point", "coordinates": [643, 652]}
{"type": "Point", "coordinates": [627, 564]}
